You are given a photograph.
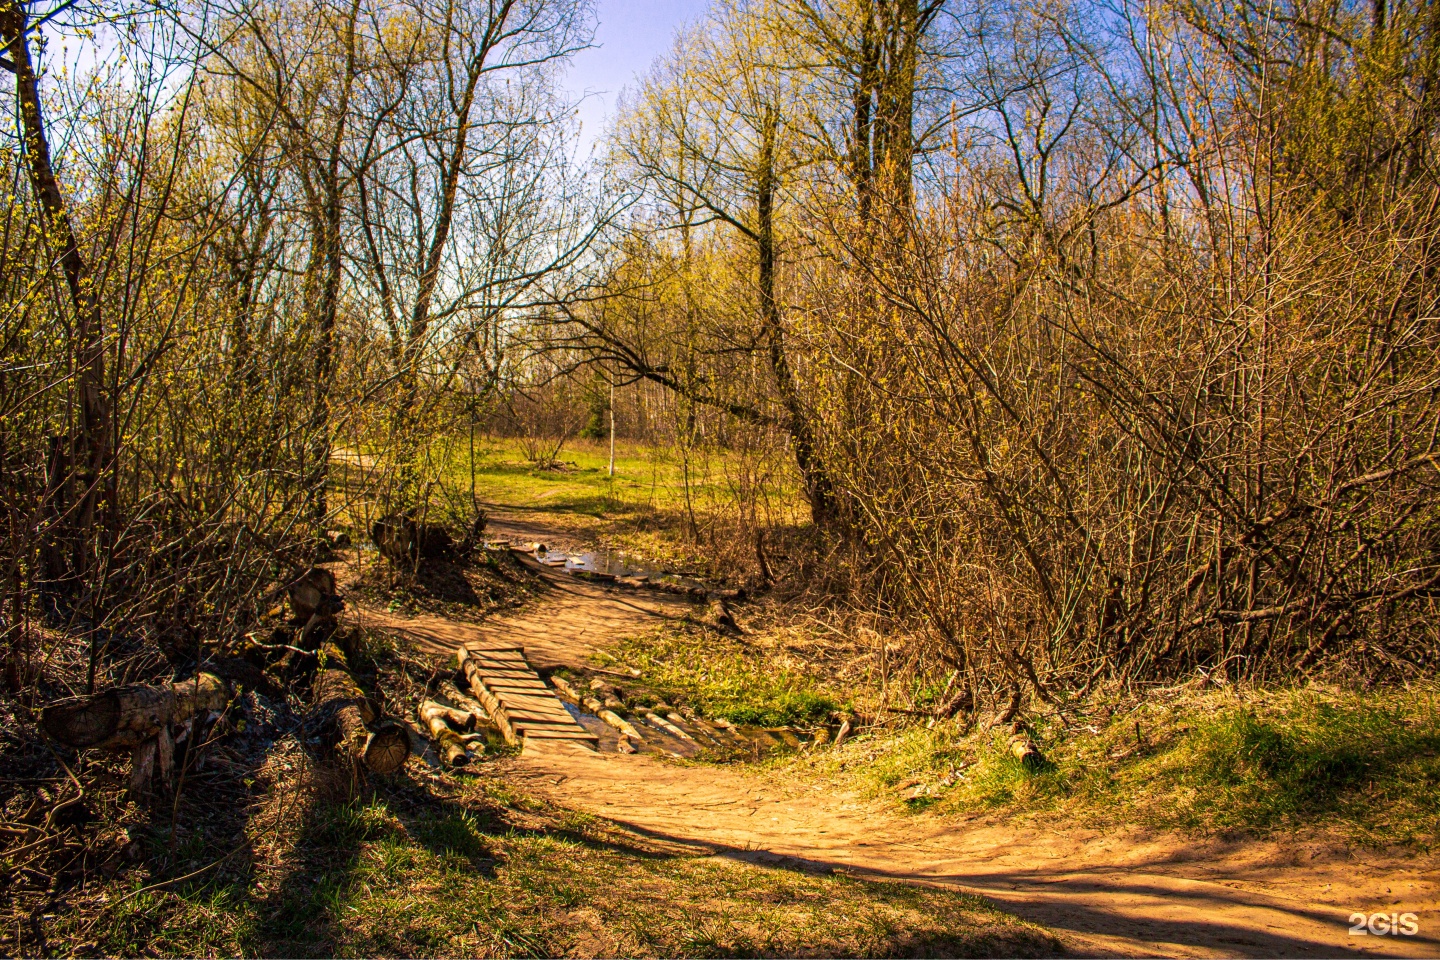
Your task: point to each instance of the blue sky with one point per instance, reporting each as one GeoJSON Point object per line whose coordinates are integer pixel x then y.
{"type": "Point", "coordinates": [631, 33]}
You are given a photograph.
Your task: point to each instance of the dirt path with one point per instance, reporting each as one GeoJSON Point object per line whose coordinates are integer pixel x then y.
{"type": "Point", "coordinates": [1129, 894]}
{"type": "Point", "coordinates": [1101, 893]}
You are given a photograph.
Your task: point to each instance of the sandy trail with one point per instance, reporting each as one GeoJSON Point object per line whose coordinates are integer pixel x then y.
{"type": "Point", "coordinates": [1103, 893]}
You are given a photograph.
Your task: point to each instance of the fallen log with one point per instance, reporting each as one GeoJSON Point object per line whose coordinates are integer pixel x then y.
{"type": "Point", "coordinates": [718, 615]}
{"type": "Point", "coordinates": [125, 717]}
{"type": "Point", "coordinates": [479, 717]}
{"type": "Point", "coordinates": [565, 689]}
{"type": "Point", "coordinates": [462, 720]}
{"type": "Point", "coordinates": [664, 724]}
{"type": "Point", "coordinates": [435, 717]}
{"type": "Point", "coordinates": [465, 661]}
{"type": "Point", "coordinates": [1022, 748]}
{"type": "Point", "coordinates": [340, 706]}
{"type": "Point", "coordinates": [730, 728]}
{"type": "Point", "coordinates": [697, 724]}
{"type": "Point", "coordinates": [621, 724]}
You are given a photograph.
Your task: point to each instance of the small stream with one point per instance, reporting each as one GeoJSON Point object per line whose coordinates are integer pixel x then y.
{"type": "Point", "coordinates": [602, 564]}
{"type": "Point", "coordinates": [745, 742]}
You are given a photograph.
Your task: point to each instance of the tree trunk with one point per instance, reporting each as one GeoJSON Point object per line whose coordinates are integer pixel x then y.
{"type": "Point", "coordinates": [328, 256]}
{"type": "Point", "coordinates": [90, 455]}
{"type": "Point", "coordinates": [343, 709]}
{"type": "Point", "coordinates": [818, 488]}
{"type": "Point", "coordinates": [125, 717]}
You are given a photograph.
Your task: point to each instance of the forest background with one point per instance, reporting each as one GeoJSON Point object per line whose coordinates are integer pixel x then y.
{"type": "Point", "coordinates": [1080, 344]}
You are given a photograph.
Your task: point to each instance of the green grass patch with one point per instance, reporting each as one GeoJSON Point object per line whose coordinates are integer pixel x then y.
{"type": "Point", "coordinates": [646, 478]}
{"type": "Point", "coordinates": [720, 677]}
{"type": "Point", "coordinates": [459, 877]}
{"type": "Point", "coordinates": [1285, 759]}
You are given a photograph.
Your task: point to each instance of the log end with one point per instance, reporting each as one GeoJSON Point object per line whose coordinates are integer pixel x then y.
{"type": "Point", "coordinates": [81, 722]}
{"type": "Point", "coordinates": [387, 748]}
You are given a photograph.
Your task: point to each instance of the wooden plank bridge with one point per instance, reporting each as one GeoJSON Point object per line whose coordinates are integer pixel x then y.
{"type": "Point", "coordinates": [517, 699]}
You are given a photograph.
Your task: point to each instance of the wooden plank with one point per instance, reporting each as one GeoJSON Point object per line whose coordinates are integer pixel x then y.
{"type": "Point", "coordinates": [548, 725]}
{"type": "Point", "coordinates": [536, 716]}
{"type": "Point", "coordinates": [530, 703]}
{"type": "Point", "coordinates": [577, 732]}
{"type": "Point", "coordinates": [514, 702]}
{"type": "Point", "coordinates": [487, 699]}
{"type": "Point", "coordinates": [522, 696]}
{"type": "Point", "coordinates": [530, 710]}
{"type": "Point", "coordinates": [517, 709]}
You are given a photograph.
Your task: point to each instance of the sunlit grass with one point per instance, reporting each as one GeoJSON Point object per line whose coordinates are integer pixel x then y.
{"type": "Point", "coordinates": [1284, 759]}
{"type": "Point", "coordinates": [722, 678]}
{"type": "Point", "coordinates": [381, 877]}
{"type": "Point", "coordinates": [645, 477]}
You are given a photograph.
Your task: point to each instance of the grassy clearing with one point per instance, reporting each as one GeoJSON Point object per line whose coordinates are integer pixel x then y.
{"type": "Point", "coordinates": [474, 871]}
{"type": "Point", "coordinates": [646, 478]}
{"type": "Point", "coordinates": [1265, 760]}
{"type": "Point", "coordinates": [723, 677]}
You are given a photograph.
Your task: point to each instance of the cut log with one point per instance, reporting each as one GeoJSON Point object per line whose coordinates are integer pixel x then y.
{"type": "Point", "coordinates": [434, 717]}
{"type": "Point", "coordinates": [566, 690]}
{"type": "Point", "coordinates": [665, 725]}
{"type": "Point", "coordinates": [730, 728]}
{"type": "Point", "coordinates": [698, 726]}
{"type": "Point", "coordinates": [1022, 748]}
{"type": "Point", "coordinates": [122, 718]}
{"type": "Point", "coordinates": [341, 708]}
{"type": "Point", "coordinates": [462, 720]}
{"type": "Point", "coordinates": [842, 732]}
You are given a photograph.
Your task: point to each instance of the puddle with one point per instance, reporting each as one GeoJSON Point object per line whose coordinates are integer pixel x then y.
{"type": "Point", "coordinates": [611, 563]}
{"type": "Point", "coordinates": [603, 565]}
